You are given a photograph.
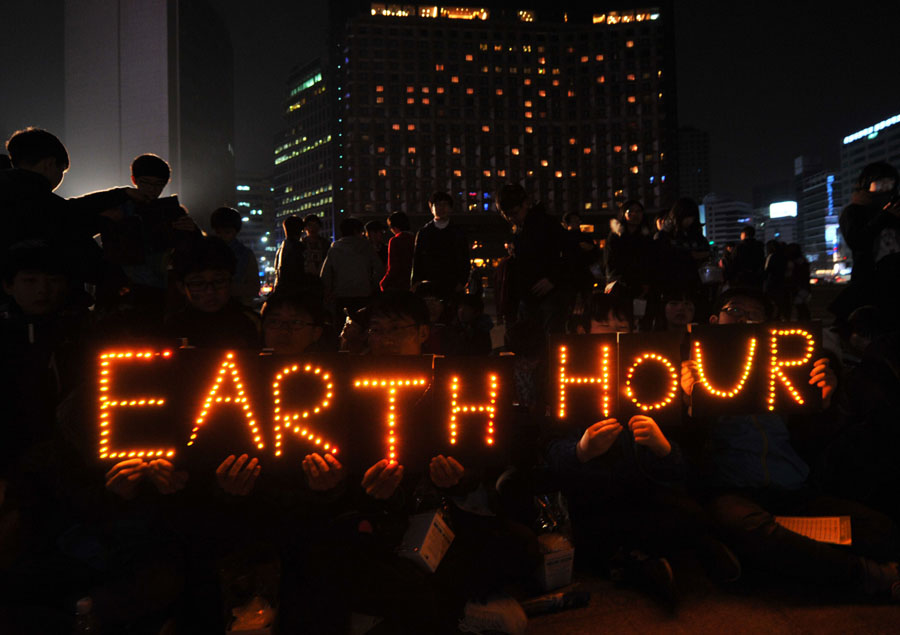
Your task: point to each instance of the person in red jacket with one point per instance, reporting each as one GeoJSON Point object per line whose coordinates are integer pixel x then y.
{"type": "Point", "coordinates": [400, 253]}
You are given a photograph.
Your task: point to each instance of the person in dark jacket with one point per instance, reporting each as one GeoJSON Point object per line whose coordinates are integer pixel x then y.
{"type": "Point", "coordinates": [441, 253]}
{"type": "Point", "coordinates": [748, 261]}
{"type": "Point", "coordinates": [400, 253]}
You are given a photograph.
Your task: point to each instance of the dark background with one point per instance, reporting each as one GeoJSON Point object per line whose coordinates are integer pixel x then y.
{"type": "Point", "coordinates": [768, 80]}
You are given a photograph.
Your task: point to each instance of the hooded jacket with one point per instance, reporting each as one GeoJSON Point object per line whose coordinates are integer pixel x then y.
{"type": "Point", "coordinates": [351, 269]}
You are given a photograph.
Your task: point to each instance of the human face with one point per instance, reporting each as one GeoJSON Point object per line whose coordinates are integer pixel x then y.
{"type": "Point", "coordinates": [679, 313]}
{"type": "Point", "coordinates": [289, 331]}
{"type": "Point", "coordinates": [150, 186]}
{"type": "Point", "coordinates": [227, 234]}
{"type": "Point", "coordinates": [613, 324]}
{"type": "Point", "coordinates": [441, 210]}
{"type": "Point", "coordinates": [208, 291]}
{"type": "Point", "coordinates": [740, 311]}
{"type": "Point", "coordinates": [37, 292]}
{"type": "Point", "coordinates": [634, 214]}
{"type": "Point", "coordinates": [389, 335]}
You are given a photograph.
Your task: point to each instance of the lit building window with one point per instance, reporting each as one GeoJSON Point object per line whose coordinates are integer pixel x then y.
{"type": "Point", "coordinates": [571, 93]}
{"type": "Point", "coordinates": [633, 147]}
{"type": "Point", "coordinates": [529, 130]}
{"type": "Point", "coordinates": [487, 173]}
{"type": "Point", "coordinates": [528, 103]}
{"type": "Point", "coordinates": [499, 92]}
{"type": "Point", "coordinates": [485, 128]}
{"type": "Point", "coordinates": [501, 173]}
{"type": "Point", "coordinates": [556, 82]}
{"type": "Point", "coordinates": [379, 89]}
{"type": "Point", "coordinates": [457, 173]}
{"type": "Point", "coordinates": [542, 93]}
{"type": "Point", "coordinates": [380, 149]}
{"type": "Point", "coordinates": [630, 77]}
{"type": "Point", "coordinates": [426, 89]}
{"type": "Point", "coordinates": [382, 172]}
{"type": "Point", "coordinates": [426, 101]}
{"type": "Point", "coordinates": [572, 141]}
{"type": "Point", "coordinates": [470, 91]}
{"type": "Point", "coordinates": [440, 90]}
{"type": "Point", "coordinates": [469, 57]}
{"type": "Point", "coordinates": [483, 46]}
{"type": "Point", "coordinates": [379, 100]}
{"type": "Point", "coordinates": [411, 126]}
{"type": "Point", "coordinates": [438, 67]}
{"type": "Point", "coordinates": [544, 163]}
{"type": "Point", "coordinates": [530, 173]}
{"type": "Point", "coordinates": [485, 69]}
{"type": "Point", "coordinates": [410, 89]}
{"type": "Point", "coordinates": [629, 44]}
{"type": "Point", "coordinates": [527, 81]}
{"type": "Point", "coordinates": [410, 100]}
{"type": "Point", "coordinates": [411, 150]}
{"type": "Point", "coordinates": [498, 47]}
{"type": "Point", "coordinates": [599, 18]}
{"type": "Point", "coordinates": [584, 59]}
{"type": "Point", "coordinates": [396, 126]}
{"type": "Point", "coordinates": [634, 169]}
{"type": "Point", "coordinates": [515, 151]}
{"type": "Point", "coordinates": [526, 16]}
{"type": "Point", "coordinates": [454, 79]}
{"type": "Point", "coordinates": [573, 173]}
{"type": "Point", "coordinates": [456, 150]}
{"type": "Point", "coordinates": [601, 79]}
{"type": "Point", "coordinates": [558, 174]}
{"type": "Point", "coordinates": [587, 150]}
{"type": "Point", "coordinates": [631, 99]}
{"type": "Point", "coordinates": [528, 114]}
{"type": "Point", "coordinates": [617, 148]}
{"type": "Point", "coordinates": [542, 60]}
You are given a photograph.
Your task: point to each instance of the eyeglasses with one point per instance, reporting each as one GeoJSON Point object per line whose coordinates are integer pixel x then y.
{"type": "Point", "coordinates": [389, 331]}
{"type": "Point", "coordinates": [741, 313]}
{"type": "Point", "coordinates": [219, 284]}
{"type": "Point", "coordinates": [293, 325]}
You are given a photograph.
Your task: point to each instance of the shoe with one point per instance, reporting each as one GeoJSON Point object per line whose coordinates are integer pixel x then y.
{"type": "Point", "coordinates": [652, 575]}
{"type": "Point", "coordinates": [500, 614]}
{"type": "Point", "coordinates": [720, 562]}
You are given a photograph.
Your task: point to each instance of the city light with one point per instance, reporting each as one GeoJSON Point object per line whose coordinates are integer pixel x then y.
{"type": "Point", "coordinates": [783, 209]}
{"type": "Point", "coordinates": [872, 131]}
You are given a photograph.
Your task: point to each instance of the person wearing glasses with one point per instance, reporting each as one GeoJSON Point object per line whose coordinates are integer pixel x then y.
{"type": "Point", "coordinates": [211, 318]}
{"type": "Point", "coordinates": [750, 471]}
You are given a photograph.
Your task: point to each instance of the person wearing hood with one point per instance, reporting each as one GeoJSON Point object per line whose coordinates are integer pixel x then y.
{"type": "Point", "coordinates": [352, 269]}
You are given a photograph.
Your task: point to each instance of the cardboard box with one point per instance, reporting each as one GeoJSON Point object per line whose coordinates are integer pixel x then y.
{"type": "Point", "coordinates": [426, 540]}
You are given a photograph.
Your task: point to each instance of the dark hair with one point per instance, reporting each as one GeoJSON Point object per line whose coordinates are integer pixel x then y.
{"type": "Point", "coordinates": [867, 321]}
{"type": "Point", "coordinates": [684, 208]}
{"type": "Point", "coordinates": [438, 197]}
{"type": "Point", "coordinates": [5, 163]}
{"type": "Point", "coordinates": [293, 226]}
{"type": "Point", "coordinates": [567, 217]}
{"type": "Point", "coordinates": [207, 253]}
{"type": "Point", "coordinates": [399, 303]}
{"type": "Point", "coordinates": [617, 301]}
{"type": "Point", "coordinates": [871, 172]}
{"type": "Point", "coordinates": [375, 226]}
{"type": "Point", "coordinates": [312, 218]}
{"type": "Point", "coordinates": [150, 165]}
{"type": "Point", "coordinates": [33, 255]}
{"type": "Point", "coordinates": [32, 145]}
{"type": "Point", "coordinates": [226, 218]}
{"type": "Point", "coordinates": [286, 300]}
{"type": "Point", "coordinates": [627, 205]}
{"type": "Point", "coordinates": [749, 293]}
{"type": "Point", "coordinates": [750, 230]}
{"type": "Point", "coordinates": [351, 227]}
{"type": "Point", "coordinates": [510, 196]}
{"type": "Point", "coordinates": [426, 289]}
{"type": "Point", "coordinates": [399, 220]}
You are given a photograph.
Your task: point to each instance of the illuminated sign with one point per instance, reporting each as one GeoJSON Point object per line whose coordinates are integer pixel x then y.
{"type": "Point", "coordinates": [783, 209]}
{"type": "Point", "coordinates": [872, 130]}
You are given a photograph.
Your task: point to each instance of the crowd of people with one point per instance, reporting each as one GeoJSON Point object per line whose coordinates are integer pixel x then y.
{"type": "Point", "coordinates": [148, 545]}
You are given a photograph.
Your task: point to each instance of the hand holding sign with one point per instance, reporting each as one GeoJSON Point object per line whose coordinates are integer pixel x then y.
{"type": "Point", "coordinates": [236, 478]}
{"type": "Point", "coordinates": [124, 477]}
{"type": "Point", "coordinates": [165, 477]}
{"type": "Point", "coordinates": [597, 439]}
{"type": "Point", "coordinates": [381, 480]}
{"type": "Point", "coordinates": [445, 472]}
{"type": "Point", "coordinates": [690, 375]}
{"type": "Point", "coordinates": [824, 377]}
{"type": "Point", "coordinates": [322, 474]}
{"type": "Point", "coordinates": [648, 434]}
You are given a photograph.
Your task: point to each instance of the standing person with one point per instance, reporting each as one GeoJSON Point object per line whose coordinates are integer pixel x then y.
{"type": "Point", "coordinates": [775, 283]}
{"type": "Point", "coordinates": [400, 253]}
{"type": "Point", "coordinates": [315, 246]}
{"type": "Point", "coordinates": [375, 230]}
{"type": "Point", "coordinates": [544, 260]}
{"type": "Point", "coordinates": [289, 259]}
{"type": "Point", "coordinates": [226, 224]}
{"type": "Point", "coordinates": [749, 260]}
{"type": "Point", "coordinates": [798, 281]}
{"type": "Point", "coordinates": [441, 253]}
{"type": "Point", "coordinates": [352, 269]}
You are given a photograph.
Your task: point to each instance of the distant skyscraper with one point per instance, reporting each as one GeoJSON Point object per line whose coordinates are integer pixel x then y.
{"type": "Point", "coordinates": [693, 163]}
{"type": "Point", "coordinates": [579, 106]}
{"type": "Point", "coordinates": [303, 174]}
{"type": "Point", "coordinates": [725, 218]}
{"type": "Point", "coordinates": [820, 209]}
{"type": "Point", "coordinates": [257, 207]}
{"type": "Point", "coordinates": [150, 77]}
{"type": "Point", "coordinates": [878, 142]}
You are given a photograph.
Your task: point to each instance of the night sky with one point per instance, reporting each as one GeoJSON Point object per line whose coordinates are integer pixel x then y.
{"type": "Point", "coordinates": [767, 80]}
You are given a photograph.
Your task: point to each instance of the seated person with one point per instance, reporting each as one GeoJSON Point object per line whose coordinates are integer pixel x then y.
{"type": "Point", "coordinates": [211, 317]}
{"type": "Point", "coordinates": [291, 325]}
{"type": "Point", "coordinates": [753, 472]}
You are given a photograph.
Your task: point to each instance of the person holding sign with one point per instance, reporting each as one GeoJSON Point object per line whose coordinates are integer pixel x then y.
{"type": "Point", "coordinates": [752, 472]}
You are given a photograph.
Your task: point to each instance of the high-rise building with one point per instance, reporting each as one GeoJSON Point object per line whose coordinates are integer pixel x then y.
{"type": "Point", "coordinates": [150, 77]}
{"type": "Point", "coordinates": [819, 209]}
{"type": "Point", "coordinates": [255, 202]}
{"type": "Point", "coordinates": [725, 218]}
{"type": "Point", "coordinates": [693, 163]}
{"type": "Point", "coordinates": [878, 142]}
{"type": "Point", "coordinates": [578, 105]}
{"type": "Point", "coordinates": [303, 175]}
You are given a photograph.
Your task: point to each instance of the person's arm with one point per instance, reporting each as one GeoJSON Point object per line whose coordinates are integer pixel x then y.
{"type": "Point", "coordinates": [416, 273]}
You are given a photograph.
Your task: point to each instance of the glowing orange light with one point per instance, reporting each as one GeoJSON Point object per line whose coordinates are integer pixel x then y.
{"type": "Point", "coordinates": [775, 364]}
{"type": "Point", "coordinates": [108, 402]}
{"type": "Point", "coordinates": [286, 420]}
{"type": "Point", "coordinates": [227, 370]}
{"type": "Point", "coordinates": [603, 380]}
{"type": "Point", "coordinates": [704, 381]}
{"type": "Point", "coordinates": [673, 382]}
{"type": "Point", "coordinates": [489, 408]}
{"type": "Point", "coordinates": [392, 385]}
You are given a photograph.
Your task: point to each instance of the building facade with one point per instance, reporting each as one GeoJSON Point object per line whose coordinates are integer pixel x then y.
{"type": "Point", "coordinates": [693, 163]}
{"type": "Point", "coordinates": [255, 202]}
{"type": "Point", "coordinates": [820, 210]}
{"type": "Point", "coordinates": [303, 178]}
{"type": "Point", "coordinates": [579, 106]}
{"type": "Point", "coordinates": [725, 218]}
{"type": "Point", "coordinates": [150, 77]}
{"type": "Point", "coordinates": [878, 142]}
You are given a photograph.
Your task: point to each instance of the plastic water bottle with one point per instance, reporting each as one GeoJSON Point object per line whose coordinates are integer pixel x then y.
{"type": "Point", "coordinates": [84, 617]}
